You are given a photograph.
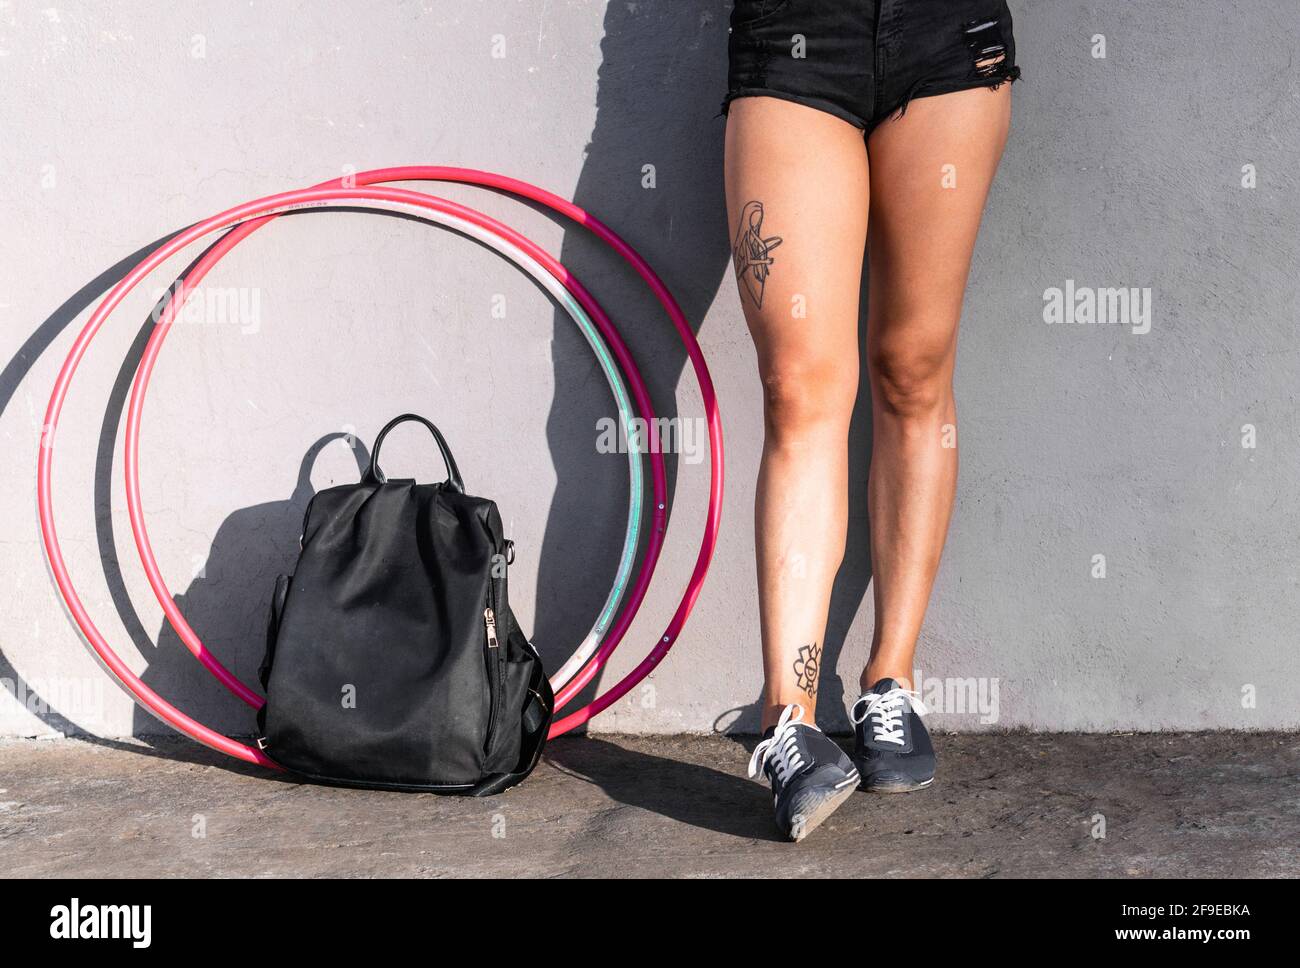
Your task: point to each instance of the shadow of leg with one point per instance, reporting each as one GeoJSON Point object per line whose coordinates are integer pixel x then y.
{"type": "Point", "coordinates": [690, 793]}
{"type": "Point", "coordinates": [653, 173]}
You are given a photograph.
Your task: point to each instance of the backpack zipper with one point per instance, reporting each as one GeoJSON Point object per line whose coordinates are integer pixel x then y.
{"type": "Point", "coordinates": [496, 662]}
{"type": "Point", "coordinates": [496, 675]}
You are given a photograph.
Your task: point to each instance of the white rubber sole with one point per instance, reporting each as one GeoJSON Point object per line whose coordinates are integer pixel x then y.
{"type": "Point", "coordinates": [811, 816]}
{"type": "Point", "coordinates": [896, 786]}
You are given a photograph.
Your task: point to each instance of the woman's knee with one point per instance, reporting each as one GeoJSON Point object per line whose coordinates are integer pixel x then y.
{"type": "Point", "coordinates": [911, 379]}
{"type": "Point", "coordinates": [808, 396]}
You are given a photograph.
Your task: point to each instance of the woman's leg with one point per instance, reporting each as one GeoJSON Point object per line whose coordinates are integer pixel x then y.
{"type": "Point", "coordinates": [930, 174]}
{"type": "Point", "coordinates": [797, 192]}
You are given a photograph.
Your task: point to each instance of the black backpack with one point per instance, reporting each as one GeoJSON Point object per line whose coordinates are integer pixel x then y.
{"type": "Point", "coordinates": [392, 657]}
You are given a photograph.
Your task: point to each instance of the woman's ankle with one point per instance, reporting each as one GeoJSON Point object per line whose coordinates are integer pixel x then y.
{"type": "Point", "coordinates": [873, 674]}
{"type": "Point", "coordinates": [774, 708]}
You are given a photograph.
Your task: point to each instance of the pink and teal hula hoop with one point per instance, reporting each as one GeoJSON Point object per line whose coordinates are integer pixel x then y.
{"type": "Point", "coordinates": [246, 219]}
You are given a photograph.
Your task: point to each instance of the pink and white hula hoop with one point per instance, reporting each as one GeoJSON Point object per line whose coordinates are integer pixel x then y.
{"type": "Point", "coordinates": [251, 216]}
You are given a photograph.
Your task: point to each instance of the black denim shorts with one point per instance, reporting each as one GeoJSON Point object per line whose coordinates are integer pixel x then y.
{"type": "Point", "coordinates": [864, 60]}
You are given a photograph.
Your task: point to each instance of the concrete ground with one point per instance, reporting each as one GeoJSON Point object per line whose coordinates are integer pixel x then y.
{"type": "Point", "coordinates": [1014, 805]}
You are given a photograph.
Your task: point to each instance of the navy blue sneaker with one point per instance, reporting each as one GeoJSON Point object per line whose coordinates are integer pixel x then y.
{"type": "Point", "coordinates": [810, 774]}
{"type": "Point", "coordinates": [892, 748]}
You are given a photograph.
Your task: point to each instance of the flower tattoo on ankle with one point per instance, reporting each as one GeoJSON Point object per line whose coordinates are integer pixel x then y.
{"type": "Point", "coordinates": [806, 666]}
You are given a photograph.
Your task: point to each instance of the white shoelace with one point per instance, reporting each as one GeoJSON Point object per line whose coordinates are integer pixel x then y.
{"type": "Point", "coordinates": [888, 708]}
{"type": "Point", "coordinates": [782, 747]}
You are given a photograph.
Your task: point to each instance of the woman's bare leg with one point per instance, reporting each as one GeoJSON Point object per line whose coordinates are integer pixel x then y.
{"type": "Point", "coordinates": [797, 193]}
{"type": "Point", "coordinates": [924, 219]}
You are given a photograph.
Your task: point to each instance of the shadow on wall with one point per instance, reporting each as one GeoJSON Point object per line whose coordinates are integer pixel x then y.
{"type": "Point", "coordinates": [228, 602]}
{"type": "Point", "coordinates": [11, 378]}
{"type": "Point", "coordinates": [653, 172]}
{"type": "Point", "coordinates": [855, 573]}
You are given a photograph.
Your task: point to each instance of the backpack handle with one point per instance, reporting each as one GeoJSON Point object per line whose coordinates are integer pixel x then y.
{"type": "Point", "coordinates": [374, 475]}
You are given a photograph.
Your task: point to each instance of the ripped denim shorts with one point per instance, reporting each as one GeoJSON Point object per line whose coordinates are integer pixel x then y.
{"type": "Point", "coordinates": [864, 60]}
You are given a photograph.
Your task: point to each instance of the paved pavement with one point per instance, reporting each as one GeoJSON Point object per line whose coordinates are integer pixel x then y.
{"type": "Point", "coordinates": [1005, 805]}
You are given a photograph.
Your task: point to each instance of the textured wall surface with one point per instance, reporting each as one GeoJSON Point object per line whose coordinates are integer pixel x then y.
{"type": "Point", "coordinates": [1123, 549]}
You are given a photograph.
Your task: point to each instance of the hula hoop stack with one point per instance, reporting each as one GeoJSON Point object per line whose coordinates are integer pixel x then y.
{"type": "Point", "coordinates": [629, 589]}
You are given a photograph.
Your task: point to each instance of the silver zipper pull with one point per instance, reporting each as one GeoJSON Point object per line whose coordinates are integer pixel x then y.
{"type": "Point", "coordinates": [490, 621]}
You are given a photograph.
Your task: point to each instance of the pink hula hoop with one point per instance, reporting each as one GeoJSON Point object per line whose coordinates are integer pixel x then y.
{"type": "Point", "coordinates": [261, 210]}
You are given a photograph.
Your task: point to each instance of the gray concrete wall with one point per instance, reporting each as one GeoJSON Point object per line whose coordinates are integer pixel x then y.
{"type": "Point", "coordinates": [120, 124]}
